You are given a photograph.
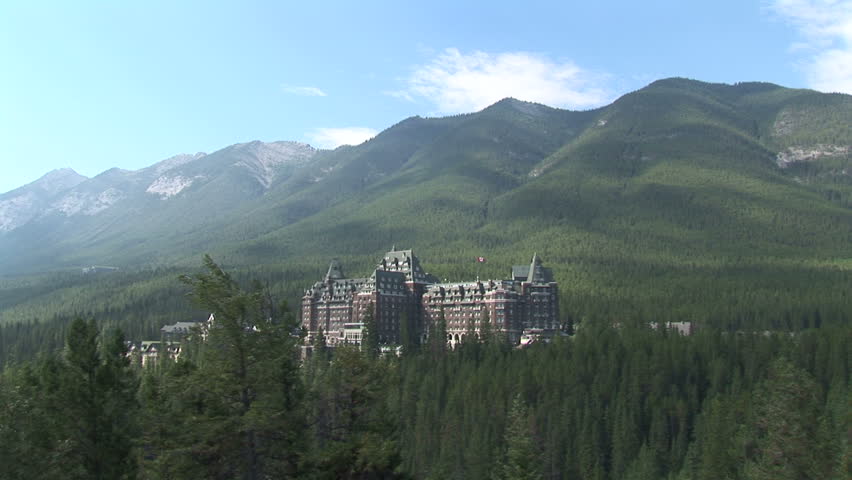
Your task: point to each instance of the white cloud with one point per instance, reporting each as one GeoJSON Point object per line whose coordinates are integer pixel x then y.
{"type": "Point", "coordinates": [826, 26]}
{"type": "Point", "coordinates": [335, 137]}
{"type": "Point", "coordinates": [304, 91]}
{"type": "Point", "coordinates": [457, 83]}
{"type": "Point", "coordinates": [832, 71]}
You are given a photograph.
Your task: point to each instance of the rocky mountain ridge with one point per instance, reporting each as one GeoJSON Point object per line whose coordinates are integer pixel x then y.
{"type": "Point", "coordinates": [64, 193]}
{"type": "Point", "coordinates": [25, 203]}
{"type": "Point", "coordinates": [678, 156]}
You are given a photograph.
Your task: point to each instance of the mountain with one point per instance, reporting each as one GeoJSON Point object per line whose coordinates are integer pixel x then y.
{"type": "Point", "coordinates": [678, 159]}
{"type": "Point", "coordinates": [23, 204]}
{"type": "Point", "coordinates": [124, 216]}
{"type": "Point", "coordinates": [682, 200]}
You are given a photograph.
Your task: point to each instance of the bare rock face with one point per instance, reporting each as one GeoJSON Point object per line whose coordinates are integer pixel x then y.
{"type": "Point", "coordinates": [786, 122]}
{"type": "Point", "coordinates": [174, 162]}
{"type": "Point", "coordinates": [167, 187]}
{"type": "Point", "coordinates": [17, 210]}
{"type": "Point", "coordinates": [23, 204]}
{"type": "Point", "coordinates": [265, 160]}
{"type": "Point", "coordinates": [810, 153]}
{"type": "Point", "coordinates": [85, 203]}
{"type": "Point", "coordinates": [63, 194]}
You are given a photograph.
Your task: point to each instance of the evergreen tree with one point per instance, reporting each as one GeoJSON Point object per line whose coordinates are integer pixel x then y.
{"type": "Point", "coordinates": [248, 421]}
{"type": "Point", "coordinates": [790, 439]}
{"type": "Point", "coordinates": [408, 337]}
{"type": "Point", "coordinates": [522, 459]}
{"type": "Point", "coordinates": [320, 341]}
{"type": "Point", "coordinates": [98, 389]}
{"type": "Point", "coordinates": [370, 338]}
{"type": "Point", "coordinates": [568, 324]}
{"type": "Point", "coordinates": [320, 351]}
{"type": "Point", "coordinates": [33, 428]}
{"type": "Point", "coordinates": [155, 416]}
{"type": "Point", "coordinates": [715, 441]}
{"type": "Point", "coordinates": [357, 437]}
{"type": "Point", "coordinates": [625, 437]}
{"type": "Point", "coordinates": [470, 347]}
{"type": "Point", "coordinates": [645, 466]}
{"type": "Point", "coordinates": [438, 334]}
{"type": "Point", "coordinates": [486, 332]}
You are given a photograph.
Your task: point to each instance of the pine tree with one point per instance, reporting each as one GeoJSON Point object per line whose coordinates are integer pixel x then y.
{"type": "Point", "coordinates": [568, 324]}
{"type": "Point", "coordinates": [370, 337]}
{"type": "Point", "coordinates": [522, 460]}
{"type": "Point", "coordinates": [438, 334]}
{"type": "Point", "coordinates": [408, 337]}
{"type": "Point", "coordinates": [357, 437]}
{"type": "Point", "coordinates": [320, 341]}
{"type": "Point", "coordinates": [486, 333]}
{"type": "Point", "coordinates": [625, 437]}
{"type": "Point", "coordinates": [33, 426]}
{"type": "Point", "coordinates": [99, 391]}
{"type": "Point", "coordinates": [645, 466]}
{"type": "Point", "coordinates": [790, 440]}
{"type": "Point", "coordinates": [716, 449]}
{"type": "Point", "coordinates": [249, 421]}
{"type": "Point", "coordinates": [320, 351]}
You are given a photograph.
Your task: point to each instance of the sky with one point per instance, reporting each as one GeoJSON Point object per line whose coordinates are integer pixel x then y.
{"type": "Point", "coordinates": [93, 85]}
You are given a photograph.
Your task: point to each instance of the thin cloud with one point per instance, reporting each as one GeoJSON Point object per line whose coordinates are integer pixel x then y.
{"type": "Point", "coordinates": [826, 27]}
{"type": "Point", "coordinates": [457, 83]}
{"type": "Point", "coordinates": [335, 137]}
{"type": "Point", "coordinates": [304, 91]}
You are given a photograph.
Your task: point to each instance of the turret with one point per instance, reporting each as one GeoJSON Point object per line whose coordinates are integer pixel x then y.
{"type": "Point", "coordinates": [335, 271]}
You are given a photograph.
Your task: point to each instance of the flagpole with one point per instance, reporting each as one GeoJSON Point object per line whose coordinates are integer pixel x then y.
{"type": "Point", "coordinates": [479, 261]}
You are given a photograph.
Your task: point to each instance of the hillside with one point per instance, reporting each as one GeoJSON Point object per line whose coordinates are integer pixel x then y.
{"type": "Point", "coordinates": [685, 200]}
{"type": "Point", "coordinates": [671, 201]}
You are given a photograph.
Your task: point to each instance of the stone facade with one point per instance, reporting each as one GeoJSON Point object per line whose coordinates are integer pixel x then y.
{"type": "Point", "coordinates": [528, 301]}
{"type": "Point", "coordinates": [400, 290]}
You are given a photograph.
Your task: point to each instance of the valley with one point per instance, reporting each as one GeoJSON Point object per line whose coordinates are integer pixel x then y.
{"type": "Point", "coordinates": [682, 201]}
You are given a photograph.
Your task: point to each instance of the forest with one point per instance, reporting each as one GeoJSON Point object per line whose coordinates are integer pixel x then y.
{"type": "Point", "coordinates": [616, 400]}
{"type": "Point", "coordinates": [670, 204]}
{"type": "Point", "coordinates": [677, 202]}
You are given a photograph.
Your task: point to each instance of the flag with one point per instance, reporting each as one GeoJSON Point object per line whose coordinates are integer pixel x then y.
{"type": "Point", "coordinates": [480, 259]}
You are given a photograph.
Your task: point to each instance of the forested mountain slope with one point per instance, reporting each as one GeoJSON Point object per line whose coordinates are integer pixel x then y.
{"type": "Point", "coordinates": [673, 201]}
{"type": "Point", "coordinates": [729, 204]}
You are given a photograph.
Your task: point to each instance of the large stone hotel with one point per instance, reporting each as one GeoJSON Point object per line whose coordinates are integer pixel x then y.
{"type": "Point", "coordinates": [399, 290]}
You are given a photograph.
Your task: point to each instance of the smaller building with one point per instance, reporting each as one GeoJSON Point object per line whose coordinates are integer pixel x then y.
{"type": "Point", "coordinates": [151, 352]}
{"type": "Point", "coordinates": [98, 269]}
{"type": "Point", "coordinates": [148, 352]}
{"type": "Point", "coordinates": [353, 333]}
{"type": "Point", "coordinates": [179, 330]}
{"type": "Point", "coordinates": [682, 328]}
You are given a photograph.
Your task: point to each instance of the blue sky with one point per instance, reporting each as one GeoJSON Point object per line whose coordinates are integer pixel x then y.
{"type": "Point", "coordinates": [95, 85]}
